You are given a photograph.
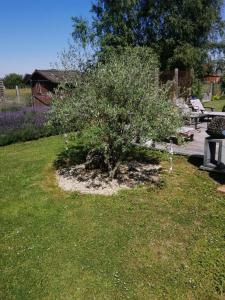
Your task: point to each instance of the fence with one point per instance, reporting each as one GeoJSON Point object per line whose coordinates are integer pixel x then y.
{"type": "Point", "coordinates": [13, 100]}
{"type": "Point", "coordinates": [182, 84]}
{"type": "Point", "coordinates": [181, 81]}
{"type": "Point", "coordinates": [2, 90]}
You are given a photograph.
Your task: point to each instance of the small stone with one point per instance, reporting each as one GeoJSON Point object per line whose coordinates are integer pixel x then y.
{"type": "Point", "coordinates": [221, 189]}
{"type": "Point", "coordinates": [96, 183]}
{"type": "Point", "coordinates": [81, 178]}
{"type": "Point", "coordinates": [123, 169]}
{"type": "Point", "coordinates": [155, 179]}
{"type": "Point", "coordinates": [133, 166]}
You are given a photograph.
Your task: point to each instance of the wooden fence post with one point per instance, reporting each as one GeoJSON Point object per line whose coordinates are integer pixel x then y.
{"type": "Point", "coordinates": [2, 90]}
{"type": "Point", "coordinates": [17, 94]}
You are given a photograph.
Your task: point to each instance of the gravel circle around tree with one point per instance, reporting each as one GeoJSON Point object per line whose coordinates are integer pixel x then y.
{"type": "Point", "coordinates": [94, 181]}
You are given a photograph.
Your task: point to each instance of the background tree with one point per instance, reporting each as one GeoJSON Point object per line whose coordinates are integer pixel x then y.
{"type": "Point", "coordinates": [13, 79]}
{"type": "Point", "coordinates": [216, 65]}
{"type": "Point", "coordinates": [223, 84]}
{"type": "Point", "coordinates": [181, 32]}
{"type": "Point", "coordinates": [120, 100]}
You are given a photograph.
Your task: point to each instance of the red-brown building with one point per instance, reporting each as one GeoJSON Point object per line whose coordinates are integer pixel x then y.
{"type": "Point", "coordinates": [212, 78]}
{"type": "Point", "coordinates": [44, 82]}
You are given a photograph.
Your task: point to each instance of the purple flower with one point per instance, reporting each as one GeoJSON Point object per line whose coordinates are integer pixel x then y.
{"type": "Point", "coordinates": [26, 117]}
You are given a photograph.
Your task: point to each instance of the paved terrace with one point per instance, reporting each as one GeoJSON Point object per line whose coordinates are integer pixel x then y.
{"type": "Point", "coordinates": [196, 147]}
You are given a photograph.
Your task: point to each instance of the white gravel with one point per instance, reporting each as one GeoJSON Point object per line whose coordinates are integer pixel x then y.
{"type": "Point", "coordinates": [73, 185]}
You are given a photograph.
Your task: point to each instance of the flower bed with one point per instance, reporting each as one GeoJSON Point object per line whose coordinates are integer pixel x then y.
{"type": "Point", "coordinates": [22, 125]}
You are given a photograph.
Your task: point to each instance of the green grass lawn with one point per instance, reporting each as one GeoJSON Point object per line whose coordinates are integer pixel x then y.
{"type": "Point", "coordinates": [23, 92]}
{"type": "Point", "coordinates": [217, 104]}
{"type": "Point", "coordinates": [146, 243]}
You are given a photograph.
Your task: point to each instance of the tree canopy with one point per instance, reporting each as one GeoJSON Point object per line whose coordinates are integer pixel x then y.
{"type": "Point", "coordinates": [13, 79]}
{"type": "Point", "coordinates": [120, 100]}
{"type": "Point", "coordinates": [181, 32]}
{"type": "Point", "coordinates": [223, 84]}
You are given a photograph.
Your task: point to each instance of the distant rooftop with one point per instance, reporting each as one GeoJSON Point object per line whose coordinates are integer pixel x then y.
{"type": "Point", "coordinates": [53, 75]}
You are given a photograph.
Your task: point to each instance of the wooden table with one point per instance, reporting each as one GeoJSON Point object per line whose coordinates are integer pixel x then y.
{"type": "Point", "coordinates": [209, 114]}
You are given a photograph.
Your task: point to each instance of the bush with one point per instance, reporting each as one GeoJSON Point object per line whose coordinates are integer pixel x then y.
{"type": "Point", "coordinates": [72, 156]}
{"type": "Point", "coordinates": [197, 88]}
{"type": "Point", "coordinates": [23, 125]}
{"type": "Point", "coordinates": [217, 127]}
{"type": "Point", "coordinates": [215, 98]}
{"type": "Point", "coordinates": [120, 99]}
{"type": "Point", "coordinates": [22, 135]}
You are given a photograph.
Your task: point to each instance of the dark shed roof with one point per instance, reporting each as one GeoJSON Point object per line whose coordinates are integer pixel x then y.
{"type": "Point", "coordinates": [27, 78]}
{"type": "Point", "coordinates": [53, 75]}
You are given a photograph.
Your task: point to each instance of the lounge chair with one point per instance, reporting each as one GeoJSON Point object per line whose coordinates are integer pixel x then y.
{"type": "Point", "coordinates": [203, 113]}
{"type": "Point", "coordinates": [187, 112]}
{"type": "Point", "coordinates": [197, 106]}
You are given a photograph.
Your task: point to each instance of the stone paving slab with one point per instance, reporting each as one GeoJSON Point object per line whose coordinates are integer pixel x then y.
{"type": "Point", "coordinates": [221, 189]}
{"type": "Point", "coordinates": [195, 147]}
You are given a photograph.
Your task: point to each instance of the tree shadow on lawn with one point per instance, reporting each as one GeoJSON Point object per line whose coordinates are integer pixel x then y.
{"type": "Point", "coordinates": [197, 160]}
{"type": "Point", "coordinates": [77, 154]}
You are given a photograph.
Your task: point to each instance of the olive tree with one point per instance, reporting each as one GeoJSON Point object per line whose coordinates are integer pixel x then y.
{"type": "Point", "coordinates": [120, 97]}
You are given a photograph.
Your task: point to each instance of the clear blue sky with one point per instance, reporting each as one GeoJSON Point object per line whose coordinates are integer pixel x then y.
{"type": "Point", "coordinates": [32, 32]}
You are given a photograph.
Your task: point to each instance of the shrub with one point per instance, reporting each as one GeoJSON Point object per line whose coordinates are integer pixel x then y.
{"type": "Point", "coordinates": [217, 127]}
{"type": "Point", "coordinates": [22, 135]}
{"type": "Point", "coordinates": [215, 98]}
{"type": "Point", "coordinates": [120, 99]}
{"type": "Point", "coordinates": [23, 125]}
{"type": "Point", "coordinates": [197, 88]}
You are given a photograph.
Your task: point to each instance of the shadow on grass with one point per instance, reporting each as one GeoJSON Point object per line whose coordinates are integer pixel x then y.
{"type": "Point", "coordinates": [74, 155]}
{"type": "Point", "coordinates": [220, 178]}
{"type": "Point", "coordinates": [143, 155]}
{"type": "Point", "coordinates": [197, 161]}
{"type": "Point", "coordinates": [77, 154]}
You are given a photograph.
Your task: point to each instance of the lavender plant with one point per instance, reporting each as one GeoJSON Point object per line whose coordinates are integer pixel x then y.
{"type": "Point", "coordinates": [24, 124]}
{"type": "Point", "coordinates": [27, 116]}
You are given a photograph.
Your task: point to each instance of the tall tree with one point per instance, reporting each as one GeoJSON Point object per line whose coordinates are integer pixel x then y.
{"type": "Point", "coordinates": [181, 31]}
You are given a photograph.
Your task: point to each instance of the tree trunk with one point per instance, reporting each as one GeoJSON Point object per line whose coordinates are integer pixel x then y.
{"type": "Point", "coordinates": [113, 172]}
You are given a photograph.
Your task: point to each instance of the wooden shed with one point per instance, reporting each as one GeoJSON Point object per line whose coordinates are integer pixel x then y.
{"type": "Point", "coordinates": [212, 78]}
{"type": "Point", "coordinates": [44, 82]}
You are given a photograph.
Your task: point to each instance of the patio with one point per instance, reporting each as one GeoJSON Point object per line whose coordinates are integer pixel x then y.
{"type": "Point", "coordinates": [195, 147]}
